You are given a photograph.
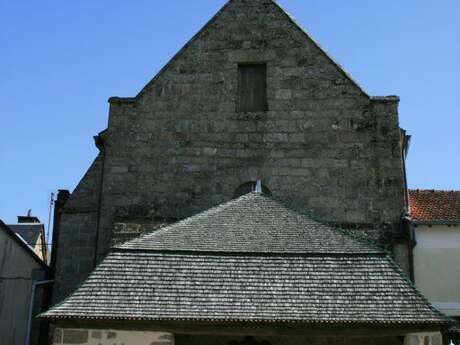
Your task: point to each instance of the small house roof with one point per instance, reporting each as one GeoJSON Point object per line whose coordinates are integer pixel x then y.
{"type": "Point", "coordinates": [434, 206]}
{"type": "Point", "coordinates": [20, 241]}
{"type": "Point", "coordinates": [30, 232]}
{"type": "Point", "coordinates": [257, 261]}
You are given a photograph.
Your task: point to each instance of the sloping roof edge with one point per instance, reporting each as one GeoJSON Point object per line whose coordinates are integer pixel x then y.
{"type": "Point", "coordinates": [337, 322]}
{"type": "Point", "coordinates": [180, 51]}
{"type": "Point", "coordinates": [323, 51]}
{"type": "Point", "coordinates": [211, 21]}
{"type": "Point", "coordinates": [23, 245]}
{"type": "Point", "coordinates": [416, 290]}
{"type": "Point", "coordinates": [443, 321]}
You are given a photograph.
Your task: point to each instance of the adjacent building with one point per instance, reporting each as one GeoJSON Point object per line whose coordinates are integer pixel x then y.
{"type": "Point", "coordinates": [32, 231]}
{"type": "Point", "coordinates": [435, 217]}
{"type": "Point", "coordinates": [23, 281]}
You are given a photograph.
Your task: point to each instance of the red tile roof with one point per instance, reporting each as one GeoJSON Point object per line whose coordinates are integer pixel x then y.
{"type": "Point", "coordinates": [434, 205]}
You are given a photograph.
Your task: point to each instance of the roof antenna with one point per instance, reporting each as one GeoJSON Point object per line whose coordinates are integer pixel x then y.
{"type": "Point", "coordinates": [258, 187]}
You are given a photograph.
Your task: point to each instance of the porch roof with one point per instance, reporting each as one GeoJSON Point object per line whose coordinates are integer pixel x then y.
{"type": "Point", "coordinates": [250, 260]}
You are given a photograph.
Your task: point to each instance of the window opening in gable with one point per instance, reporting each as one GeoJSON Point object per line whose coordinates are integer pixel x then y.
{"type": "Point", "coordinates": [252, 88]}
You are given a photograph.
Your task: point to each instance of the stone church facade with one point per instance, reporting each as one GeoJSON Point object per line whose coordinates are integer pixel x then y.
{"type": "Point", "coordinates": [250, 97]}
{"type": "Point", "coordinates": [180, 146]}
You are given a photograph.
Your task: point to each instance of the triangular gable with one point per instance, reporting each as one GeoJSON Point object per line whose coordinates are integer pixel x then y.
{"type": "Point", "coordinates": [216, 18]}
{"type": "Point", "coordinates": [309, 37]}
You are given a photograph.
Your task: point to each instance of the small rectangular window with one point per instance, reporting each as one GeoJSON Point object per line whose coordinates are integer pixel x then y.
{"type": "Point", "coordinates": [252, 88]}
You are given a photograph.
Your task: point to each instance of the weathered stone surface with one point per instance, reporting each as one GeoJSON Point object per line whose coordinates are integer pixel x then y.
{"type": "Point", "coordinates": [345, 147]}
{"type": "Point", "coordinates": [77, 237]}
{"type": "Point", "coordinates": [180, 147]}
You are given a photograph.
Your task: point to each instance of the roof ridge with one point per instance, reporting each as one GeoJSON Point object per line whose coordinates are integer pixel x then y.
{"type": "Point", "coordinates": [252, 197]}
{"type": "Point", "coordinates": [28, 224]}
{"type": "Point", "coordinates": [309, 214]}
{"type": "Point", "coordinates": [323, 51]}
{"type": "Point", "coordinates": [249, 254]}
{"type": "Point", "coordinates": [198, 215]}
{"type": "Point", "coordinates": [181, 50]}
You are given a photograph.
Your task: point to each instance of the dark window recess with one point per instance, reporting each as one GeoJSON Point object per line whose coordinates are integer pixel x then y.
{"type": "Point", "coordinates": [252, 88]}
{"type": "Point", "coordinates": [249, 187]}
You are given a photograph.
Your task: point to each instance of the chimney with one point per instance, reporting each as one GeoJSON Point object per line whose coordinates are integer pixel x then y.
{"type": "Point", "coordinates": [62, 196]}
{"type": "Point", "coordinates": [29, 218]}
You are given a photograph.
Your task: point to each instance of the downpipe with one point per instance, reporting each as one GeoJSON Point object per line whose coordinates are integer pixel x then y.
{"type": "Point", "coordinates": [35, 283]}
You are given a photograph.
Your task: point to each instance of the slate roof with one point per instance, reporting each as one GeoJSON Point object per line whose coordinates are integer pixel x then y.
{"type": "Point", "coordinates": [435, 206]}
{"type": "Point", "coordinates": [317, 289]}
{"type": "Point", "coordinates": [21, 243]}
{"type": "Point", "coordinates": [29, 232]}
{"type": "Point", "coordinates": [251, 223]}
{"type": "Point", "coordinates": [250, 275]}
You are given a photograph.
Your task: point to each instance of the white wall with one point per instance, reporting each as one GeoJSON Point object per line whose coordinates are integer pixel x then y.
{"type": "Point", "coordinates": [437, 266]}
{"type": "Point", "coordinates": [67, 336]}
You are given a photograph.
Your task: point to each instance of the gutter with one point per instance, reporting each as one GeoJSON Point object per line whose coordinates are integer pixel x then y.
{"type": "Point", "coordinates": [31, 306]}
{"type": "Point", "coordinates": [100, 144]}
{"type": "Point", "coordinates": [413, 240]}
{"type": "Point", "coordinates": [412, 244]}
{"type": "Point", "coordinates": [436, 222]}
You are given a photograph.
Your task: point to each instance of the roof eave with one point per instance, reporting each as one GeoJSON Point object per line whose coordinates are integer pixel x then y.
{"type": "Point", "coordinates": [436, 222]}
{"type": "Point", "coordinates": [256, 327]}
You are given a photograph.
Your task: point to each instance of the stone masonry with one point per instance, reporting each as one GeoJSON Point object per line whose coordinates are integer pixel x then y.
{"type": "Point", "coordinates": [180, 146]}
{"type": "Point", "coordinates": [72, 336]}
{"type": "Point", "coordinates": [68, 336]}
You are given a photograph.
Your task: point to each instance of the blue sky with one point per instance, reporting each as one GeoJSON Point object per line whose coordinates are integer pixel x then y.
{"type": "Point", "coordinates": [61, 60]}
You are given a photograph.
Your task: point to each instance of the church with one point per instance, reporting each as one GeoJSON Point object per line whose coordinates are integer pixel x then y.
{"type": "Point", "coordinates": [251, 193]}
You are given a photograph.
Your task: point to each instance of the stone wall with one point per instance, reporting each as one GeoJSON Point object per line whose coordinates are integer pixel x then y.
{"type": "Point", "coordinates": [77, 234]}
{"type": "Point", "coordinates": [70, 336]}
{"type": "Point", "coordinates": [286, 340]}
{"type": "Point", "coordinates": [74, 336]}
{"type": "Point", "coordinates": [180, 147]}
